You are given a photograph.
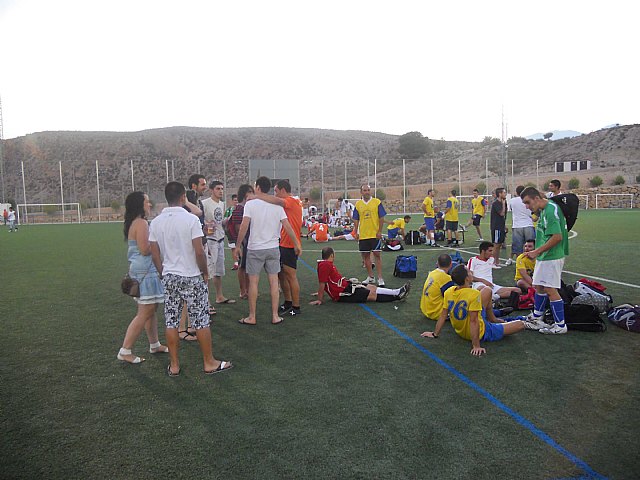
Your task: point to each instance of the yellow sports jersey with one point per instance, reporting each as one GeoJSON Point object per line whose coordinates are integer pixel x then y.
{"type": "Point", "coordinates": [478, 206]}
{"type": "Point", "coordinates": [368, 216]}
{"type": "Point", "coordinates": [397, 223]}
{"type": "Point", "coordinates": [524, 262]}
{"type": "Point", "coordinates": [433, 293]}
{"type": "Point", "coordinates": [428, 206]}
{"type": "Point", "coordinates": [452, 214]}
{"type": "Point", "coordinates": [459, 302]}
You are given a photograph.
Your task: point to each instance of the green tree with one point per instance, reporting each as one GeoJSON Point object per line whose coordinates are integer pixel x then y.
{"type": "Point", "coordinates": [380, 195]}
{"type": "Point", "coordinates": [637, 178]}
{"type": "Point", "coordinates": [547, 136]}
{"type": "Point", "coordinates": [595, 181]}
{"type": "Point", "coordinates": [50, 209]}
{"type": "Point", "coordinates": [574, 183]}
{"type": "Point", "coordinates": [115, 205]}
{"type": "Point", "coordinates": [491, 141]}
{"type": "Point", "coordinates": [413, 145]}
{"type": "Point", "coordinates": [481, 187]}
{"type": "Point", "coordinates": [619, 180]}
{"type": "Point", "coordinates": [315, 194]}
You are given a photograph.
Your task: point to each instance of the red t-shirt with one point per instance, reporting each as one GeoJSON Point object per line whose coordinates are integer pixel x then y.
{"type": "Point", "coordinates": [293, 209]}
{"type": "Point", "coordinates": [334, 283]}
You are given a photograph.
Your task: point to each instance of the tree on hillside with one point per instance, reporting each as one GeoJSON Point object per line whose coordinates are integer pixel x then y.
{"type": "Point", "coordinates": [548, 135]}
{"type": "Point", "coordinates": [413, 145]}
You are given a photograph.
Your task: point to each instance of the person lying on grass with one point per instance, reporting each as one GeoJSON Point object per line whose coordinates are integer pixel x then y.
{"type": "Point", "coordinates": [463, 304]}
{"type": "Point", "coordinates": [341, 289]}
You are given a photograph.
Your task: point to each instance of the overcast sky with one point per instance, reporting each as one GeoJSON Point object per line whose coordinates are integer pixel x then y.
{"type": "Point", "coordinates": [446, 69]}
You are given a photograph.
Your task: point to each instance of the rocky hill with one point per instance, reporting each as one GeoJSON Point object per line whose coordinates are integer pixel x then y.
{"type": "Point", "coordinates": [182, 150]}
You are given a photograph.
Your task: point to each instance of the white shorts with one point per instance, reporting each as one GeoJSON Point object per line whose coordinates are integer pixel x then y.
{"type": "Point", "coordinates": [215, 258]}
{"type": "Point", "coordinates": [547, 273]}
{"type": "Point", "coordinates": [494, 289]}
{"type": "Point", "coordinates": [313, 237]}
{"type": "Point", "coordinates": [348, 236]}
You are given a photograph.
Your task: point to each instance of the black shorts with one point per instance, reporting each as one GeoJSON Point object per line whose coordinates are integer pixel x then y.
{"type": "Point", "coordinates": [243, 258]}
{"type": "Point", "coordinates": [498, 236]}
{"type": "Point", "coordinates": [476, 219]}
{"type": "Point", "coordinates": [453, 226]}
{"type": "Point", "coordinates": [359, 294]}
{"type": "Point", "coordinates": [370, 245]}
{"type": "Point", "coordinates": [288, 257]}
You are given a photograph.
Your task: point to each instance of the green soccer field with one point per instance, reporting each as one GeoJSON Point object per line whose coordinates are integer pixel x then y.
{"type": "Point", "coordinates": [343, 391]}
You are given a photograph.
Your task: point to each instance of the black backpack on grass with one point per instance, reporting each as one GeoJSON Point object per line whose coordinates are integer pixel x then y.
{"type": "Point", "coordinates": [569, 203]}
{"type": "Point", "coordinates": [584, 318]}
{"type": "Point", "coordinates": [412, 238]}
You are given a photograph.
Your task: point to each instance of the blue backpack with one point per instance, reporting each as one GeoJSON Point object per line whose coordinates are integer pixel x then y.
{"type": "Point", "coordinates": [406, 266]}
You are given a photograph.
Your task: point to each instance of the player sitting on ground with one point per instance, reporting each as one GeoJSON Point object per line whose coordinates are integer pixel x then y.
{"type": "Point", "coordinates": [319, 232]}
{"type": "Point", "coordinates": [396, 227]}
{"type": "Point", "coordinates": [438, 282]}
{"type": "Point", "coordinates": [341, 289]}
{"type": "Point", "coordinates": [463, 305]}
{"type": "Point", "coordinates": [525, 267]}
{"type": "Point", "coordinates": [481, 267]}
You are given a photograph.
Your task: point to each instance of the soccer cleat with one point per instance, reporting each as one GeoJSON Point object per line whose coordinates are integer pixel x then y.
{"type": "Point", "coordinates": [368, 280]}
{"type": "Point", "coordinates": [294, 311]}
{"type": "Point", "coordinates": [284, 308]}
{"type": "Point", "coordinates": [381, 282]}
{"type": "Point", "coordinates": [480, 239]}
{"type": "Point", "coordinates": [496, 267]}
{"type": "Point", "coordinates": [508, 262]}
{"type": "Point", "coordinates": [531, 322]}
{"type": "Point", "coordinates": [435, 245]}
{"type": "Point", "coordinates": [554, 329]}
{"type": "Point", "coordinates": [404, 291]}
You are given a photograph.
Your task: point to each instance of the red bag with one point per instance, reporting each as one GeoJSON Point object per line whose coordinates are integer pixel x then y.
{"type": "Point", "coordinates": [593, 284]}
{"type": "Point", "coordinates": [526, 301]}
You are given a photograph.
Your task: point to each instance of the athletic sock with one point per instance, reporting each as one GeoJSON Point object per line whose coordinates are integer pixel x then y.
{"type": "Point", "coordinates": [388, 291]}
{"type": "Point", "coordinates": [383, 297]}
{"type": "Point", "coordinates": [557, 307]}
{"type": "Point", "coordinates": [540, 304]}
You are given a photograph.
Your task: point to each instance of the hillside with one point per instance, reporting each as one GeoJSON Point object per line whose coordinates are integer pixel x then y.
{"type": "Point", "coordinates": [613, 150]}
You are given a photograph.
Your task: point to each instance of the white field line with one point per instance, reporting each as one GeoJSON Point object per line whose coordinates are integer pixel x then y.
{"type": "Point", "coordinates": [572, 234]}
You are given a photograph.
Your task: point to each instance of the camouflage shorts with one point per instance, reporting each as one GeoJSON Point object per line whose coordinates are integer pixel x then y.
{"type": "Point", "coordinates": [193, 291]}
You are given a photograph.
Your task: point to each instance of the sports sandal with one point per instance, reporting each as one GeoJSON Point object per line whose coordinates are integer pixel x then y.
{"type": "Point", "coordinates": [187, 335]}
{"type": "Point", "coordinates": [224, 365]}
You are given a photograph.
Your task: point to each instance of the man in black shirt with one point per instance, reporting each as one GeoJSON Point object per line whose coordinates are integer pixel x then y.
{"type": "Point", "coordinates": [498, 225]}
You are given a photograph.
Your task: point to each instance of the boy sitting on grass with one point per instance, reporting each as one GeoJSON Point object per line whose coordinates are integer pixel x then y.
{"type": "Point", "coordinates": [463, 304]}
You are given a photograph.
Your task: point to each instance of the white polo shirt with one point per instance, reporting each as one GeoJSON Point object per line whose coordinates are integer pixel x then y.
{"type": "Point", "coordinates": [265, 224]}
{"type": "Point", "coordinates": [173, 230]}
{"type": "Point", "coordinates": [481, 268]}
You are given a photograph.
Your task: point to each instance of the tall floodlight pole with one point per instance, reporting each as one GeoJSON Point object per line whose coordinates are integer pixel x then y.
{"type": "Point", "coordinates": [61, 191]}
{"type": "Point", "coordinates": [166, 169]}
{"type": "Point", "coordinates": [375, 176]}
{"type": "Point", "coordinates": [404, 187]}
{"type": "Point", "coordinates": [24, 194]}
{"type": "Point", "coordinates": [198, 164]}
{"type": "Point", "coordinates": [537, 176]}
{"type": "Point", "coordinates": [459, 177]}
{"type": "Point", "coordinates": [133, 187]}
{"type": "Point", "coordinates": [346, 194]}
{"type": "Point", "coordinates": [322, 184]}
{"type": "Point", "coordinates": [274, 169]}
{"type": "Point", "coordinates": [368, 176]}
{"type": "Point", "coordinates": [173, 170]}
{"type": "Point", "coordinates": [432, 188]}
{"type": "Point", "coordinates": [486, 176]}
{"type": "Point", "coordinates": [2, 153]}
{"type": "Point", "coordinates": [224, 178]}
{"type": "Point", "coordinates": [512, 181]}
{"type": "Point", "coordinates": [299, 187]}
{"type": "Point", "coordinates": [98, 189]}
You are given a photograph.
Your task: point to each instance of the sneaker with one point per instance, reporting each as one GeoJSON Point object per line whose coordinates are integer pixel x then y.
{"type": "Point", "coordinates": [463, 228]}
{"type": "Point", "coordinates": [284, 308]}
{"type": "Point", "coordinates": [480, 239]}
{"type": "Point", "coordinates": [435, 245]}
{"type": "Point", "coordinates": [508, 262]}
{"type": "Point", "coordinates": [554, 329]}
{"type": "Point", "coordinates": [294, 311]}
{"type": "Point", "coordinates": [534, 323]}
{"type": "Point", "coordinates": [381, 282]}
{"type": "Point", "coordinates": [404, 291]}
{"type": "Point", "coordinates": [368, 280]}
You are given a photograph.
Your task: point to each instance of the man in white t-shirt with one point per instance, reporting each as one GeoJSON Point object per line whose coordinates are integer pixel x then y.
{"type": "Point", "coordinates": [214, 224]}
{"type": "Point", "coordinates": [481, 267]}
{"type": "Point", "coordinates": [263, 249]}
{"type": "Point", "coordinates": [521, 226]}
{"type": "Point", "coordinates": [554, 188]}
{"type": "Point", "coordinates": [177, 252]}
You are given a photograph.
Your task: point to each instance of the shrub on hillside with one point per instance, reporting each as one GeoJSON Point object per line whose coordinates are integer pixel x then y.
{"type": "Point", "coordinates": [115, 205]}
{"type": "Point", "coordinates": [595, 181]}
{"type": "Point", "coordinates": [574, 183]}
{"type": "Point", "coordinates": [380, 195]}
{"type": "Point", "coordinates": [619, 180]}
{"type": "Point", "coordinates": [481, 187]}
{"type": "Point", "coordinates": [637, 178]}
{"type": "Point", "coordinates": [315, 194]}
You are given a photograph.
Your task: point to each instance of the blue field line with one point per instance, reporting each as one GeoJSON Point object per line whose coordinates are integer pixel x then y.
{"type": "Point", "coordinates": [516, 416]}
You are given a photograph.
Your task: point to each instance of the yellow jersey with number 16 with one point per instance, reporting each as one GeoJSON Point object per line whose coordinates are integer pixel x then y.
{"type": "Point", "coordinates": [459, 302]}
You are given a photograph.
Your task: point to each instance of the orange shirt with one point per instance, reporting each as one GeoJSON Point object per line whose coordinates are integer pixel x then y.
{"type": "Point", "coordinates": [293, 209]}
{"type": "Point", "coordinates": [321, 230]}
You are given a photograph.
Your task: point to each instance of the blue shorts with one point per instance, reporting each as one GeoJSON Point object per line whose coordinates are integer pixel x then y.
{"type": "Point", "coordinates": [430, 223]}
{"type": "Point", "coordinates": [492, 331]}
{"type": "Point", "coordinates": [392, 233]}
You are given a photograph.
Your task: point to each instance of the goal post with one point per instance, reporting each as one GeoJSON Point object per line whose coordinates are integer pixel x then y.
{"type": "Point", "coordinates": [614, 200]}
{"type": "Point", "coordinates": [584, 201]}
{"type": "Point", "coordinates": [42, 213]}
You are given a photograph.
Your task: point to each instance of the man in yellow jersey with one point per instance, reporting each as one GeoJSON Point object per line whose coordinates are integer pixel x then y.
{"type": "Point", "coordinates": [368, 218]}
{"type": "Point", "coordinates": [429, 219]}
{"type": "Point", "coordinates": [479, 205]}
{"type": "Point", "coordinates": [396, 227]}
{"type": "Point", "coordinates": [471, 315]}
{"type": "Point", "coordinates": [438, 282]}
{"type": "Point", "coordinates": [451, 219]}
{"type": "Point", "coordinates": [525, 266]}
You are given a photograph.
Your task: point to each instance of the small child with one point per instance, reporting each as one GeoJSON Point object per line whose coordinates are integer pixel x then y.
{"type": "Point", "coordinates": [463, 304]}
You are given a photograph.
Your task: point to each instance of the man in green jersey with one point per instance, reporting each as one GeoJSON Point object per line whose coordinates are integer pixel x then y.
{"type": "Point", "coordinates": [552, 246]}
